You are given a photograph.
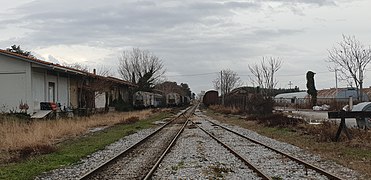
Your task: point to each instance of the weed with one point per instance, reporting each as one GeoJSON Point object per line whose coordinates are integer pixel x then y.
{"type": "Point", "coordinates": [219, 171]}
{"type": "Point", "coordinates": [178, 166]}
{"type": "Point", "coordinates": [276, 178]}
{"type": "Point", "coordinates": [36, 150]}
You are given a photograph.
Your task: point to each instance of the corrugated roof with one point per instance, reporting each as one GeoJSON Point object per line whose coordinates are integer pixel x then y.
{"type": "Point", "coordinates": [299, 95]}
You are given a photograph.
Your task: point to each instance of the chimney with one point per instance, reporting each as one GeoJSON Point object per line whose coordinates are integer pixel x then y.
{"type": "Point", "coordinates": [94, 71]}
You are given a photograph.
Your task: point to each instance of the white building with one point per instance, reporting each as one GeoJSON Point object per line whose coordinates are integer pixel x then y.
{"type": "Point", "coordinates": [27, 82]}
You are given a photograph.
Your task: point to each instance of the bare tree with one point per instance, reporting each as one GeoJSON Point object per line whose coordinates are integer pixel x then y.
{"type": "Point", "coordinates": [141, 67]}
{"type": "Point", "coordinates": [264, 73]}
{"type": "Point", "coordinates": [227, 81]}
{"type": "Point", "coordinates": [350, 58]}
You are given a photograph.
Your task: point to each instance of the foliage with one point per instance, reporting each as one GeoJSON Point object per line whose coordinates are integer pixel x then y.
{"type": "Point", "coordinates": [168, 87]}
{"type": "Point", "coordinates": [17, 49]}
{"type": "Point", "coordinates": [260, 105]}
{"type": "Point", "coordinates": [120, 105]}
{"type": "Point", "coordinates": [278, 120]}
{"type": "Point", "coordinates": [311, 87]}
{"type": "Point", "coordinates": [225, 110]}
{"type": "Point", "coordinates": [186, 89]}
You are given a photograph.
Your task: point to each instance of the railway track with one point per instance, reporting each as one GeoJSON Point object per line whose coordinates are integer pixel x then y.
{"type": "Point", "coordinates": [246, 147]}
{"type": "Point", "coordinates": [141, 159]}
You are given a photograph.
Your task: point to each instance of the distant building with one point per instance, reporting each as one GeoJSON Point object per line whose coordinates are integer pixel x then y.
{"type": "Point", "coordinates": [324, 96]}
{"type": "Point", "coordinates": [341, 94]}
{"type": "Point", "coordinates": [292, 98]}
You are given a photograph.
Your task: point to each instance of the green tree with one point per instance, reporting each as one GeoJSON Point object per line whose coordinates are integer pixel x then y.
{"type": "Point", "coordinates": [18, 50]}
{"type": "Point", "coordinates": [186, 89]}
{"type": "Point", "coordinates": [311, 87]}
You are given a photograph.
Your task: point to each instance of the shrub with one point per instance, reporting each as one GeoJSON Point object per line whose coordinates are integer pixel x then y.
{"type": "Point", "coordinates": [37, 149]}
{"type": "Point", "coordinates": [278, 120]}
{"type": "Point", "coordinates": [225, 110]}
{"type": "Point", "coordinates": [324, 132]}
{"type": "Point", "coordinates": [259, 104]}
{"type": "Point", "coordinates": [130, 120]}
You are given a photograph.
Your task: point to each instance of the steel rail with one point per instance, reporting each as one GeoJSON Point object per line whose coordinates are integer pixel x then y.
{"type": "Point", "coordinates": [250, 165]}
{"type": "Point", "coordinates": [167, 150]}
{"type": "Point", "coordinates": [129, 149]}
{"type": "Point", "coordinates": [300, 161]}
{"type": "Point", "coordinates": [153, 169]}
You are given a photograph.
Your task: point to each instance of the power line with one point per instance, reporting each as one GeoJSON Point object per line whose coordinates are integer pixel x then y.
{"type": "Point", "coordinates": [200, 74]}
{"type": "Point", "coordinates": [214, 73]}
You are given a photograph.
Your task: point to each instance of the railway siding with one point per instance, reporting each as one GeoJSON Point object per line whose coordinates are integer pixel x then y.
{"type": "Point", "coordinates": [196, 156]}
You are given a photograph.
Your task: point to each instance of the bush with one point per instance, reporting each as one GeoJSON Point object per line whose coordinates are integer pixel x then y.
{"type": "Point", "coordinates": [121, 106]}
{"type": "Point", "coordinates": [36, 150]}
{"type": "Point", "coordinates": [278, 120]}
{"type": "Point", "coordinates": [324, 132]}
{"type": "Point", "coordinates": [260, 105]}
{"type": "Point", "coordinates": [225, 110]}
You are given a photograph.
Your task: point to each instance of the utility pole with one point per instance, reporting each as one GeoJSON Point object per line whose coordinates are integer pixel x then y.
{"type": "Point", "coordinates": [336, 80]}
{"type": "Point", "coordinates": [290, 84]}
{"type": "Point", "coordinates": [221, 86]}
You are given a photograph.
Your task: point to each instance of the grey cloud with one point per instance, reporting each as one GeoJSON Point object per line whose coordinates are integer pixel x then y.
{"type": "Point", "coordinates": [312, 2]}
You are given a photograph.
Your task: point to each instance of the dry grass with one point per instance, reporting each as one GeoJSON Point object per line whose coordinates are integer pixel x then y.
{"type": "Point", "coordinates": [225, 110]}
{"type": "Point", "coordinates": [34, 135]}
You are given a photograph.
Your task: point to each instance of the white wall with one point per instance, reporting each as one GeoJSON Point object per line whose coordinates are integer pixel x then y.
{"type": "Point", "coordinates": [63, 89]}
{"type": "Point", "coordinates": [38, 89]}
{"type": "Point", "coordinates": [100, 100]}
{"type": "Point", "coordinates": [14, 85]}
{"type": "Point", "coordinates": [40, 85]}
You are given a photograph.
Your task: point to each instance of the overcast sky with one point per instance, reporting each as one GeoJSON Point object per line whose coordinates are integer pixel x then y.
{"type": "Point", "coordinates": [196, 39]}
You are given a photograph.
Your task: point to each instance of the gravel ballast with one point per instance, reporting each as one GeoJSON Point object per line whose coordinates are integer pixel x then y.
{"type": "Point", "coordinates": [197, 156]}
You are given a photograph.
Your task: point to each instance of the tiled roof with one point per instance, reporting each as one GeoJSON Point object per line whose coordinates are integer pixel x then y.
{"type": "Point", "coordinates": [66, 69]}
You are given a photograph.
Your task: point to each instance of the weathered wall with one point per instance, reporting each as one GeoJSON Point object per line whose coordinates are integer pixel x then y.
{"type": "Point", "coordinates": [100, 100]}
{"type": "Point", "coordinates": [62, 94]}
{"type": "Point", "coordinates": [73, 93]}
{"type": "Point", "coordinates": [15, 85]}
{"type": "Point", "coordinates": [38, 88]}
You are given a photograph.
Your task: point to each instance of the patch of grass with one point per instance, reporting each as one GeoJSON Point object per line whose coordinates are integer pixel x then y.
{"type": "Point", "coordinates": [219, 170]}
{"type": "Point", "coordinates": [71, 151]}
{"type": "Point", "coordinates": [276, 178]}
{"type": "Point", "coordinates": [178, 166]}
